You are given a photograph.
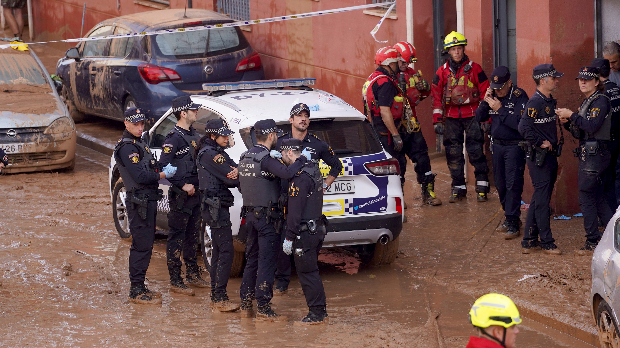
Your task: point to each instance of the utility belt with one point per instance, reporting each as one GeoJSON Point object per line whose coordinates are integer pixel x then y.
{"type": "Point", "coordinates": [537, 154]}
{"type": "Point", "coordinates": [180, 199]}
{"type": "Point", "coordinates": [214, 204]}
{"type": "Point", "coordinates": [272, 213]}
{"type": "Point", "coordinates": [313, 226]}
{"type": "Point", "coordinates": [591, 148]}
{"type": "Point", "coordinates": [309, 227]}
{"type": "Point", "coordinates": [506, 142]}
{"type": "Point", "coordinates": [139, 199]}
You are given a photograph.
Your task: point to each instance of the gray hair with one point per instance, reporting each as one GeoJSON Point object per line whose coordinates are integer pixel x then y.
{"type": "Point", "coordinates": [611, 48]}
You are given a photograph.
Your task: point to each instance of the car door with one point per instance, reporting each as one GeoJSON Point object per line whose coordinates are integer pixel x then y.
{"type": "Point", "coordinates": [115, 71]}
{"type": "Point", "coordinates": [89, 72]}
{"type": "Point", "coordinates": [612, 270]}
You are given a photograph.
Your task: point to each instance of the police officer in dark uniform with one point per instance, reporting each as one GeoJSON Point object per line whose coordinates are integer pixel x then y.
{"type": "Point", "coordinates": [184, 200]}
{"type": "Point", "coordinates": [504, 103]}
{"type": "Point", "coordinates": [320, 150]}
{"type": "Point", "coordinates": [217, 173]}
{"type": "Point", "coordinates": [538, 127]}
{"type": "Point", "coordinates": [612, 91]}
{"type": "Point", "coordinates": [260, 188]}
{"type": "Point", "coordinates": [140, 173]}
{"type": "Point", "coordinates": [4, 160]}
{"type": "Point", "coordinates": [305, 229]}
{"type": "Point", "coordinates": [592, 126]}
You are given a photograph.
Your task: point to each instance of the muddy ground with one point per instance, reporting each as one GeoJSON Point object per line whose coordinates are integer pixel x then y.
{"type": "Point", "coordinates": [64, 278]}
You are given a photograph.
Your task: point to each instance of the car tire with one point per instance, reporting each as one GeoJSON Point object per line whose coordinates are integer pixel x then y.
{"type": "Point", "coordinates": [129, 102]}
{"type": "Point", "coordinates": [119, 209]}
{"type": "Point", "coordinates": [379, 254]}
{"type": "Point", "coordinates": [607, 326]}
{"type": "Point", "coordinates": [206, 247]}
{"type": "Point", "coordinates": [74, 113]}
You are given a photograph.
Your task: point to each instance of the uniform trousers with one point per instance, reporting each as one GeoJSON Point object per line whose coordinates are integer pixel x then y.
{"type": "Point", "coordinates": [143, 236]}
{"type": "Point", "coordinates": [183, 230]}
{"type": "Point", "coordinates": [537, 222]}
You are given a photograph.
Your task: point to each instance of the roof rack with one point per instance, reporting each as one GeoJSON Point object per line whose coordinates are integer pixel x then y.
{"type": "Point", "coordinates": [224, 87]}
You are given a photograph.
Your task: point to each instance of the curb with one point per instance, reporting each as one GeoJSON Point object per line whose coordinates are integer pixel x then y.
{"type": "Point", "coordinates": [95, 144]}
{"type": "Point", "coordinates": [560, 326]}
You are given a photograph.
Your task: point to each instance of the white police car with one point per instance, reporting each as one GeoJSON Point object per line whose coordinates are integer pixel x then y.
{"type": "Point", "coordinates": [364, 204]}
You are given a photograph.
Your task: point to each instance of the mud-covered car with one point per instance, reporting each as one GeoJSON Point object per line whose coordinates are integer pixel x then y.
{"type": "Point", "coordinates": [36, 131]}
{"type": "Point", "coordinates": [363, 205]}
{"type": "Point", "coordinates": [105, 77]}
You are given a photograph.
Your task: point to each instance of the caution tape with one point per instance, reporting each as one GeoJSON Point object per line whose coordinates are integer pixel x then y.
{"type": "Point", "coordinates": [222, 25]}
{"type": "Point", "coordinates": [376, 29]}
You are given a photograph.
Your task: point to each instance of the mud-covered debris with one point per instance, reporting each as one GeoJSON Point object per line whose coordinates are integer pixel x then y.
{"type": "Point", "coordinates": [19, 187]}
{"type": "Point", "coordinates": [67, 268]}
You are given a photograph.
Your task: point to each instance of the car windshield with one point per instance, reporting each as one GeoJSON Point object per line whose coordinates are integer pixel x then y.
{"type": "Point", "coordinates": [159, 135]}
{"type": "Point", "coordinates": [20, 69]}
{"type": "Point", "coordinates": [346, 138]}
{"type": "Point", "coordinates": [198, 44]}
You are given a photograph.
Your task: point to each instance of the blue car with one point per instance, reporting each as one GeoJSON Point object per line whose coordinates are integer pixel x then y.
{"type": "Point", "coordinates": [105, 77]}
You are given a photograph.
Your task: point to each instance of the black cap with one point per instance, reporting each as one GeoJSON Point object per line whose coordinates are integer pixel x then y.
{"type": "Point", "coordinates": [298, 108]}
{"type": "Point", "coordinates": [291, 144]}
{"type": "Point", "coordinates": [266, 126]}
{"type": "Point", "coordinates": [602, 65]}
{"type": "Point", "coordinates": [588, 73]}
{"type": "Point", "coordinates": [544, 70]}
{"type": "Point", "coordinates": [218, 126]}
{"type": "Point", "coordinates": [134, 115]}
{"type": "Point", "coordinates": [183, 103]}
{"type": "Point", "coordinates": [500, 75]}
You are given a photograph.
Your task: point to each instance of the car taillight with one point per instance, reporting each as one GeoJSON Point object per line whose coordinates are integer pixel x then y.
{"type": "Point", "coordinates": [399, 206]}
{"type": "Point", "coordinates": [251, 62]}
{"type": "Point", "coordinates": [154, 74]}
{"type": "Point", "coordinates": [384, 167]}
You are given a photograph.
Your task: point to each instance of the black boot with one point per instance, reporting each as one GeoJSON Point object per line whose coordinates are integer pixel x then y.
{"type": "Point", "coordinates": [457, 194]}
{"type": "Point", "coordinates": [428, 194]}
{"type": "Point", "coordinates": [316, 315]}
{"type": "Point", "coordinates": [266, 313]}
{"type": "Point", "coordinates": [138, 294]}
{"type": "Point", "coordinates": [482, 191]}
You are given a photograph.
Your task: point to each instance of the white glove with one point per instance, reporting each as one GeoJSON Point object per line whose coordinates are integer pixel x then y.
{"type": "Point", "coordinates": [169, 170]}
{"type": "Point", "coordinates": [306, 154]}
{"type": "Point", "coordinates": [287, 246]}
{"type": "Point", "coordinates": [275, 154]}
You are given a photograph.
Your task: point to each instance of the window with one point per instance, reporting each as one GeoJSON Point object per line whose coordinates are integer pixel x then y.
{"type": "Point", "coordinates": [20, 68]}
{"type": "Point", "coordinates": [505, 35]}
{"type": "Point", "coordinates": [120, 48]}
{"type": "Point", "coordinates": [235, 9]}
{"type": "Point", "coordinates": [198, 44]}
{"type": "Point", "coordinates": [380, 11]}
{"type": "Point", "coordinates": [97, 48]}
{"type": "Point", "coordinates": [617, 235]}
{"type": "Point", "coordinates": [166, 126]}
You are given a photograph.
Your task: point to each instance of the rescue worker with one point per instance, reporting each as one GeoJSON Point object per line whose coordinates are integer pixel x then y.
{"type": "Point", "coordinates": [4, 160]}
{"type": "Point", "coordinates": [611, 52]}
{"type": "Point", "coordinates": [592, 126]}
{"type": "Point", "coordinates": [503, 104]}
{"type": "Point", "coordinates": [538, 128]}
{"type": "Point", "coordinates": [495, 317]}
{"type": "Point", "coordinates": [217, 173]}
{"type": "Point", "coordinates": [612, 91]}
{"type": "Point", "coordinates": [184, 200]}
{"type": "Point", "coordinates": [305, 229]}
{"type": "Point", "coordinates": [260, 189]}
{"type": "Point", "coordinates": [416, 89]}
{"type": "Point", "coordinates": [457, 88]}
{"type": "Point", "coordinates": [140, 173]}
{"type": "Point", "coordinates": [320, 150]}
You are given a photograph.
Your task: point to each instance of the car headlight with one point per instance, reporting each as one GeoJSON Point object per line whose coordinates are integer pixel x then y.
{"type": "Point", "coordinates": [60, 125]}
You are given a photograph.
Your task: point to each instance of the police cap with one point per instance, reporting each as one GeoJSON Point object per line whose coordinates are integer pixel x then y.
{"type": "Point", "coordinates": [499, 77]}
{"type": "Point", "coordinates": [183, 103]}
{"type": "Point", "coordinates": [602, 65]}
{"type": "Point", "coordinates": [134, 115]}
{"type": "Point", "coordinates": [218, 126]}
{"type": "Point", "coordinates": [588, 73]}
{"type": "Point", "coordinates": [298, 108]}
{"type": "Point", "coordinates": [291, 144]}
{"type": "Point", "coordinates": [266, 126]}
{"type": "Point", "coordinates": [544, 70]}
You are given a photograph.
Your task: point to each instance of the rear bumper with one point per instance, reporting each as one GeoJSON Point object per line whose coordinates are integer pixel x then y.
{"type": "Point", "coordinates": [362, 229]}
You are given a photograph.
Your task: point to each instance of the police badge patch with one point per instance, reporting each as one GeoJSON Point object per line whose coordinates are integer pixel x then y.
{"type": "Point", "coordinates": [219, 159]}
{"type": "Point", "coordinates": [595, 112]}
{"type": "Point", "coordinates": [147, 149]}
{"type": "Point", "coordinates": [194, 143]}
{"type": "Point", "coordinates": [516, 92]}
{"type": "Point", "coordinates": [134, 158]}
{"type": "Point", "coordinates": [293, 190]}
{"type": "Point", "coordinates": [167, 148]}
{"type": "Point", "coordinates": [532, 112]}
{"type": "Point", "coordinates": [547, 110]}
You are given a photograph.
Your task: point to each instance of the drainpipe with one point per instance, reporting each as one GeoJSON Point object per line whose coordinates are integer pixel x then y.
{"type": "Point", "coordinates": [189, 3]}
{"type": "Point", "coordinates": [410, 21]}
{"type": "Point", "coordinates": [460, 21]}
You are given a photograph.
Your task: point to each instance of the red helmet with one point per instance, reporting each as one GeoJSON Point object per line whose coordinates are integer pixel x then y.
{"type": "Point", "coordinates": [406, 50]}
{"type": "Point", "coordinates": [386, 55]}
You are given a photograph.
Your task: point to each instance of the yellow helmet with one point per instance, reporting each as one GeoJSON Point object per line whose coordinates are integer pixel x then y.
{"type": "Point", "coordinates": [494, 309]}
{"type": "Point", "coordinates": [454, 39]}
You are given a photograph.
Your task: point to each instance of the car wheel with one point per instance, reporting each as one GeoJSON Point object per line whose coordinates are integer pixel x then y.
{"type": "Point", "coordinates": [119, 209]}
{"type": "Point", "coordinates": [206, 245]}
{"type": "Point", "coordinates": [607, 327]}
{"type": "Point", "coordinates": [74, 113]}
{"type": "Point", "coordinates": [130, 102]}
{"type": "Point", "coordinates": [379, 254]}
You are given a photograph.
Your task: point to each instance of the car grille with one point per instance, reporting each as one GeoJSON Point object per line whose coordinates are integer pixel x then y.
{"type": "Point", "coordinates": [28, 158]}
{"type": "Point", "coordinates": [22, 134]}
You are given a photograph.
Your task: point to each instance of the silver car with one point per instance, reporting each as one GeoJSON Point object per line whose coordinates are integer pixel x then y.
{"type": "Point", "coordinates": [606, 284]}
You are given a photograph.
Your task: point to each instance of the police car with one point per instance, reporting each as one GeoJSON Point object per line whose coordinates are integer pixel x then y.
{"type": "Point", "coordinates": [364, 205]}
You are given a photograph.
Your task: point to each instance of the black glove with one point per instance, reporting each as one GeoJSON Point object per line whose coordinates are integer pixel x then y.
{"type": "Point", "coordinates": [422, 86]}
{"type": "Point", "coordinates": [398, 142]}
{"type": "Point", "coordinates": [438, 128]}
{"type": "Point", "coordinates": [485, 127]}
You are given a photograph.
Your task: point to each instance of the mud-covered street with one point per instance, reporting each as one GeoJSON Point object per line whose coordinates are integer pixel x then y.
{"type": "Point", "coordinates": [64, 278]}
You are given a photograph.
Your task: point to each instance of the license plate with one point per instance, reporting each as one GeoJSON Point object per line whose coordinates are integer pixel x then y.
{"type": "Point", "coordinates": [341, 187]}
{"type": "Point", "coordinates": [15, 148]}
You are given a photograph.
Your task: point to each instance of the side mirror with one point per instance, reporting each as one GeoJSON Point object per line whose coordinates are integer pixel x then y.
{"type": "Point", "coordinates": [73, 53]}
{"type": "Point", "coordinates": [146, 137]}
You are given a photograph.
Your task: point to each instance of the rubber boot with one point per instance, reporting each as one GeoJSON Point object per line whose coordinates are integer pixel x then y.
{"type": "Point", "coordinates": [482, 192]}
{"type": "Point", "coordinates": [428, 194]}
{"type": "Point", "coordinates": [457, 194]}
